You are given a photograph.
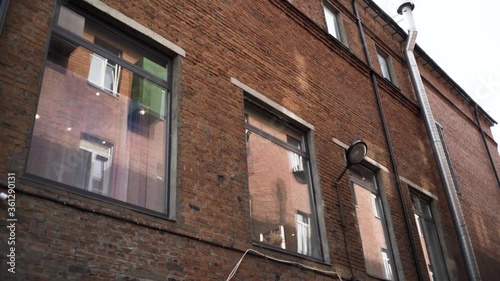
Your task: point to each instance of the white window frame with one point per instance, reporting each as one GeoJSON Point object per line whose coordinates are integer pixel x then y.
{"type": "Point", "coordinates": [376, 209]}
{"type": "Point", "coordinates": [303, 233]}
{"type": "Point", "coordinates": [100, 64]}
{"type": "Point", "coordinates": [384, 66]}
{"type": "Point", "coordinates": [387, 264]}
{"type": "Point", "coordinates": [334, 23]}
{"type": "Point", "coordinates": [96, 149]}
{"type": "Point", "coordinates": [296, 161]}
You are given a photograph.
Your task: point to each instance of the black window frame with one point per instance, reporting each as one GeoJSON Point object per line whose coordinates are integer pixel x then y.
{"type": "Point", "coordinates": [140, 40]}
{"type": "Point", "coordinates": [4, 7]}
{"type": "Point", "coordinates": [278, 117]}
{"type": "Point", "coordinates": [414, 194]}
{"type": "Point", "coordinates": [389, 64]}
{"type": "Point", "coordinates": [375, 189]}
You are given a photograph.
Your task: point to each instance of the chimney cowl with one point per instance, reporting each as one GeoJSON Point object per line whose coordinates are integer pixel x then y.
{"type": "Point", "coordinates": [404, 4]}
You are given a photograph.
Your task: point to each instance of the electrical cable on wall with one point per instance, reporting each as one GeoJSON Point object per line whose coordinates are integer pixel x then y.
{"type": "Point", "coordinates": [235, 269]}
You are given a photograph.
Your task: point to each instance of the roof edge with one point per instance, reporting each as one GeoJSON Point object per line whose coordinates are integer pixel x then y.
{"type": "Point", "coordinates": [427, 58]}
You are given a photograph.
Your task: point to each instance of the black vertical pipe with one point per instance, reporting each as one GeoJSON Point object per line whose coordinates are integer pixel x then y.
{"type": "Point", "coordinates": [486, 146]}
{"type": "Point", "coordinates": [373, 78]}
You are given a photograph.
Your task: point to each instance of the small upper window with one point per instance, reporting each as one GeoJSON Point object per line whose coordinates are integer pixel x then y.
{"type": "Point", "coordinates": [333, 22]}
{"type": "Point", "coordinates": [386, 67]}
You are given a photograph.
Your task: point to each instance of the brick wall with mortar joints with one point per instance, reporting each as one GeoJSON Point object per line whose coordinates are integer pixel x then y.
{"type": "Point", "coordinates": [23, 42]}
{"type": "Point", "coordinates": [376, 36]}
{"type": "Point", "coordinates": [417, 164]}
{"type": "Point", "coordinates": [344, 122]}
{"type": "Point", "coordinates": [474, 171]}
{"type": "Point", "coordinates": [54, 241]}
{"type": "Point", "coordinates": [431, 79]}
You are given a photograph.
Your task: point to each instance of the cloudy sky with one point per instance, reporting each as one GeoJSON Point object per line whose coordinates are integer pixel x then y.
{"type": "Point", "coordinates": [463, 38]}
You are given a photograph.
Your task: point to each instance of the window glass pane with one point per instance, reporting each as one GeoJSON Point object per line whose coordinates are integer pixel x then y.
{"type": "Point", "coordinates": [384, 66]}
{"type": "Point", "coordinates": [96, 33]}
{"type": "Point", "coordinates": [274, 127]}
{"type": "Point", "coordinates": [303, 234]}
{"type": "Point", "coordinates": [372, 224]}
{"type": "Point", "coordinates": [372, 231]}
{"type": "Point", "coordinates": [365, 176]}
{"type": "Point", "coordinates": [280, 196]}
{"type": "Point", "coordinates": [331, 22]}
{"type": "Point", "coordinates": [90, 139]}
{"type": "Point", "coordinates": [97, 64]}
{"type": "Point", "coordinates": [429, 239]}
{"type": "Point", "coordinates": [296, 160]}
{"type": "Point", "coordinates": [109, 77]}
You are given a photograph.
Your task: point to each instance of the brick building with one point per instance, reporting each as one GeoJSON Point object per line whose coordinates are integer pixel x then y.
{"type": "Point", "coordinates": [160, 140]}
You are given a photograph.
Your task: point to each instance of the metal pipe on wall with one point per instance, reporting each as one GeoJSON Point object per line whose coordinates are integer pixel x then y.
{"type": "Point", "coordinates": [373, 78]}
{"type": "Point", "coordinates": [455, 209]}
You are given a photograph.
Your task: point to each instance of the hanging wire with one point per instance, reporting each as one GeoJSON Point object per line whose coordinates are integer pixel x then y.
{"type": "Point", "coordinates": [235, 269]}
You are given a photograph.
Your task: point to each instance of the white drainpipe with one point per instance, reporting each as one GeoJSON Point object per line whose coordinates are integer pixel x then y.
{"type": "Point", "coordinates": [455, 209]}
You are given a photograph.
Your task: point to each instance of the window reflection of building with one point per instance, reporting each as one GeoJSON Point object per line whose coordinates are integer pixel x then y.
{"type": "Point", "coordinates": [372, 224]}
{"type": "Point", "coordinates": [429, 239]}
{"type": "Point", "coordinates": [95, 167]}
{"type": "Point", "coordinates": [387, 264]}
{"type": "Point", "coordinates": [282, 206]}
{"type": "Point", "coordinates": [104, 73]}
{"type": "Point", "coordinates": [101, 119]}
{"type": "Point", "coordinates": [303, 233]}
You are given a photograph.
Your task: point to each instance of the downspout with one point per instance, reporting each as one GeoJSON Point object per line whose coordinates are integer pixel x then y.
{"type": "Point", "coordinates": [455, 209]}
{"type": "Point", "coordinates": [486, 146]}
{"type": "Point", "coordinates": [373, 78]}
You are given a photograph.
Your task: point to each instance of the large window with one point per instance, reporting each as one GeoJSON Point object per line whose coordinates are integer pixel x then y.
{"type": "Point", "coordinates": [279, 177]}
{"type": "Point", "coordinates": [102, 122]}
{"type": "Point", "coordinates": [426, 226]}
{"type": "Point", "coordinates": [372, 224]}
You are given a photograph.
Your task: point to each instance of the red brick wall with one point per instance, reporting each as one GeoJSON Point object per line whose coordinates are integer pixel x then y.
{"type": "Point", "coordinates": [284, 56]}
{"type": "Point", "coordinates": [474, 174]}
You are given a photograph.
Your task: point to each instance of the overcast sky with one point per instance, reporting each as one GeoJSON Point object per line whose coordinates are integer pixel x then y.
{"type": "Point", "coordinates": [463, 38]}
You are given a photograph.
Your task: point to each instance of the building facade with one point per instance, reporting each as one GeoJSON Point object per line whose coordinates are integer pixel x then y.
{"type": "Point", "coordinates": [202, 140]}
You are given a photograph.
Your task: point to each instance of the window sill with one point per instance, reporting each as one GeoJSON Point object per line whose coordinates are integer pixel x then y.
{"type": "Point", "coordinates": [111, 93]}
{"type": "Point", "coordinates": [394, 85]}
{"type": "Point", "coordinates": [338, 40]}
{"type": "Point", "coordinates": [280, 250]}
{"type": "Point", "coordinates": [93, 196]}
{"type": "Point", "coordinates": [379, 278]}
